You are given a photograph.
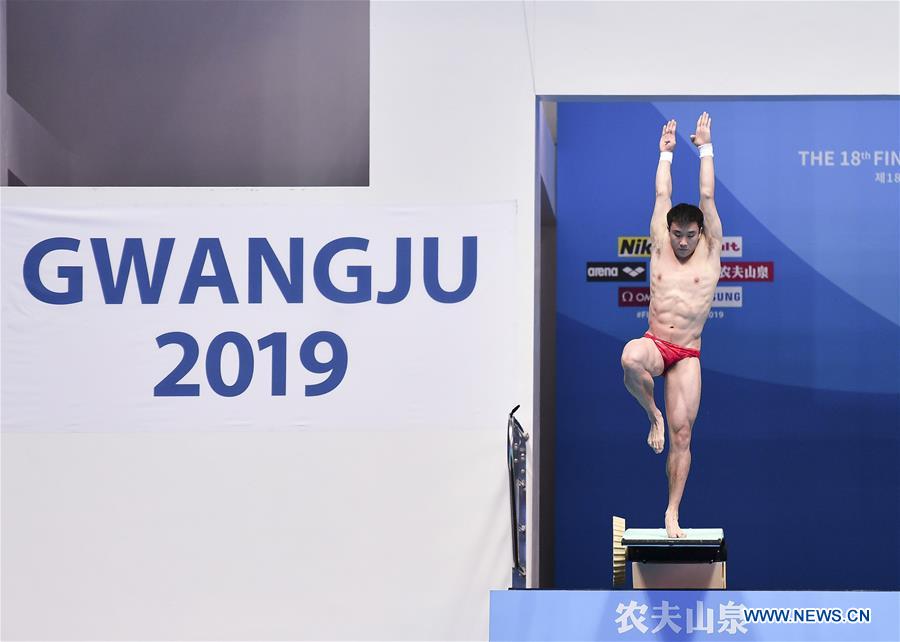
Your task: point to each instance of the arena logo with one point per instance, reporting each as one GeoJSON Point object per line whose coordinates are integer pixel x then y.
{"type": "Point", "coordinates": [616, 271]}
{"type": "Point", "coordinates": [639, 246]}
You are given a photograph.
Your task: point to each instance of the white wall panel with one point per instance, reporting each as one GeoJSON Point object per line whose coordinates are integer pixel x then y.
{"type": "Point", "coordinates": [716, 48]}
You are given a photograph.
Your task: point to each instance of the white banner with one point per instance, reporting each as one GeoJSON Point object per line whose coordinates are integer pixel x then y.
{"type": "Point", "coordinates": [266, 319]}
{"type": "Point", "coordinates": [732, 246]}
{"type": "Point", "coordinates": [728, 297]}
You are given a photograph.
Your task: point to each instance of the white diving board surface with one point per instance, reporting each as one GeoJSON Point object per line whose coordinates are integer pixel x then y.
{"type": "Point", "coordinates": [658, 537]}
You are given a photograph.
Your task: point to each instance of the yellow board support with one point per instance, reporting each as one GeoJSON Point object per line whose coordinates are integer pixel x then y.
{"type": "Point", "coordinates": [618, 551]}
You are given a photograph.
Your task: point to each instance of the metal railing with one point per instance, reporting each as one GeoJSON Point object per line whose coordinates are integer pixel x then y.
{"type": "Point", "coordinates": [516, 439]}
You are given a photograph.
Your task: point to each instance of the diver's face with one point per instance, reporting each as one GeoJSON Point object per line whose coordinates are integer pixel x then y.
{"type": "Point", "coordinates": [684, 238]}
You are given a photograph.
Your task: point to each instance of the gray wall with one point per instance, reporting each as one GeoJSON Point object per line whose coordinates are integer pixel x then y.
{"type": "Point", "coordinates": [150, 92]}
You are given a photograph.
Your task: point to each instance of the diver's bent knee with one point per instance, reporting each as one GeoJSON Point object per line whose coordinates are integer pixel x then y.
{"type": "Point", "coordinates": [633, 356]}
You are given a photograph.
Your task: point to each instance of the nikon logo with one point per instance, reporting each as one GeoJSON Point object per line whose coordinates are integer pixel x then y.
{"type": "Point", "coordinates": [634, 246]}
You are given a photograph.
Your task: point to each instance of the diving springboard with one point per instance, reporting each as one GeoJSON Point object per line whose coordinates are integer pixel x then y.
{"type": "Point", "coordinates": [692, 562]}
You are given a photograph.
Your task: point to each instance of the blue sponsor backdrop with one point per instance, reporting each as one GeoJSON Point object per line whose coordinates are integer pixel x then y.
{"type": "Point", "coordinates": [796, 449]}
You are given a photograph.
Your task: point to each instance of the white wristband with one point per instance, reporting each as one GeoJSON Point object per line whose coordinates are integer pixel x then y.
{"type": "Point", "coordinates": [706, 150]}
{"type": "Point", "coordinates": [665, 156]}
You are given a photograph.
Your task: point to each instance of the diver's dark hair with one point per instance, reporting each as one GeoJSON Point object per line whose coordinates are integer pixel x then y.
{"type": "Point", "coordinates": [684, 214]}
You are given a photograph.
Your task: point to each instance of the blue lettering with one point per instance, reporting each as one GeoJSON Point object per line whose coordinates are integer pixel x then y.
{"type": "Point", "coordinates": [214, 364]}
{"type": "Point", "coordinates": [404, 260]}
{"type": "Point", "coordinates": [291, 288]}
{"type": "Point", "coordinates": [278, 342]}
{"type": "Point", "coordinates": [221, 277]}
{"type": "Point", "coordinates": [469, 271]}
{"type": "Point", "coordinates": [31, 271]}
{"type": "Point", "coordinates": [362, 273]}
{"type": "Point", "coordinates": [336, 367]}
{"type": "Point", "coordinates": [149, 287]}
{"type": "Point", "coordinates": [170, 386]}
{"type": "Point", "coordinates": [288, 278]}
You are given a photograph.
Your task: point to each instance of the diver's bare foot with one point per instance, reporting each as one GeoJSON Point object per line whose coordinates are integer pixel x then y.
{"type": "Point", "coordinates": [672, 528]}
{"type": "Point", "coordinates": [657, 437]}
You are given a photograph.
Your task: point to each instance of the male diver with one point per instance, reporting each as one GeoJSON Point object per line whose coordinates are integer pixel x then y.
{"type": "Point", "coordinates": [686, 244]}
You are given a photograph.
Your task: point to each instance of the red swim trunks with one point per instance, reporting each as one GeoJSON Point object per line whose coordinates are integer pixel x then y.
{"type": "Point", "coordinates": [671, 352]}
